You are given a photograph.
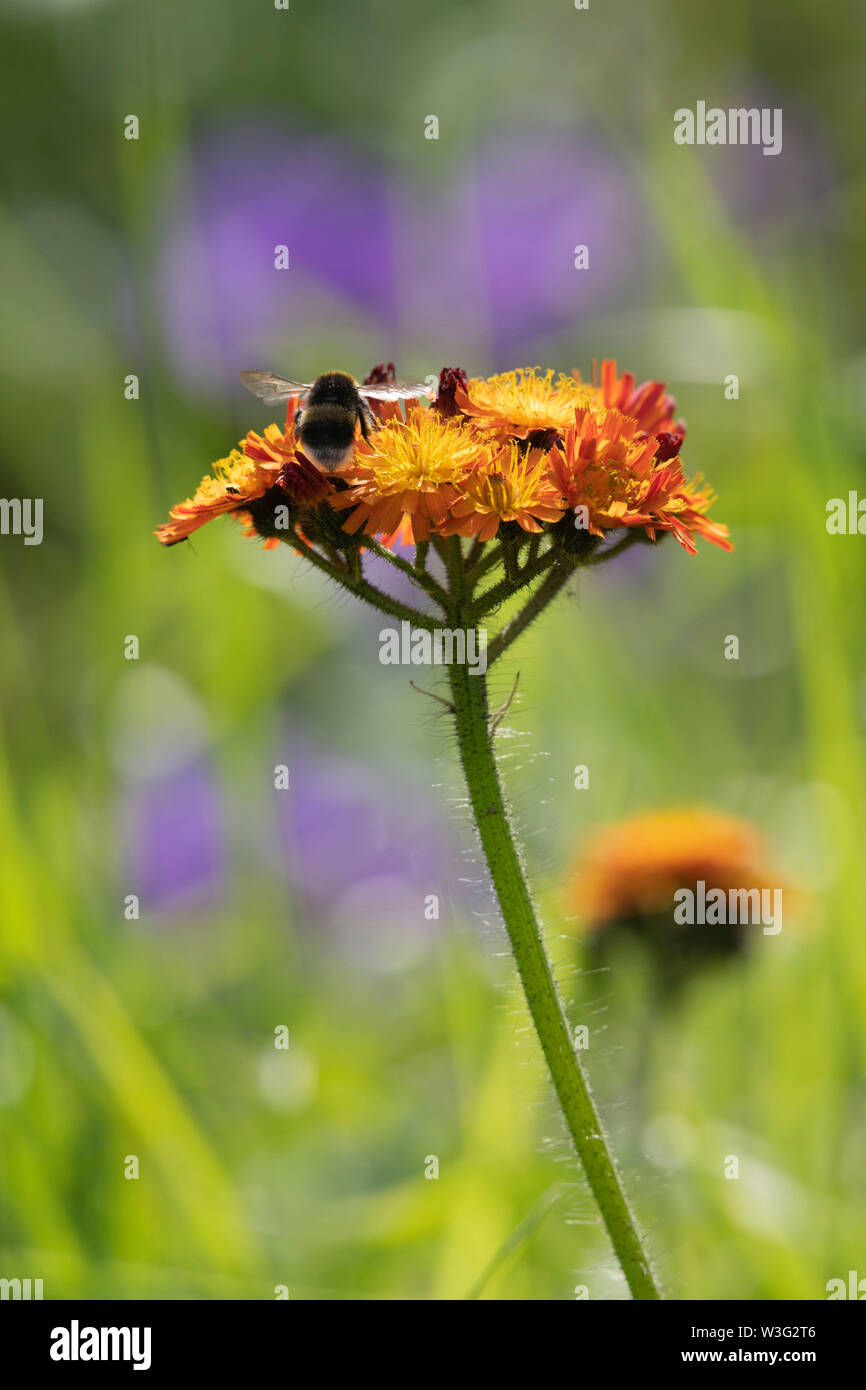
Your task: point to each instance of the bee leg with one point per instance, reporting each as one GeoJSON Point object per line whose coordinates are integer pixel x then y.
{"type": "Point", "coordinates": [367, 419]}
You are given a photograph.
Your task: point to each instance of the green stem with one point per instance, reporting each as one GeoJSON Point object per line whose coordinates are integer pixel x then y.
{"type": "Point", "coordinates": [456, 576]}
{"type": "Point", "coordinates": [440, 545]}
{"type": "Point", "coordinates": [474, 553]}
{"type": "Point", "coordinates": [507, 588]}
{"type": "Point", "coordinates": [550, 586]}
{"type": "Point", "coordinates": [469, 696]}
{"type": "Point", "coordinates": [362, 588]}
{"type": "Point", "coordinates": [415, 572]}
{"type": "Point", "coordinates": [485, 562]}
{"type": "Point", "coordinates": [632, 537]}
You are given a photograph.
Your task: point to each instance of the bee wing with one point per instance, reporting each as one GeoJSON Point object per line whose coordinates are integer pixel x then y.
{"type": "Point", "coordinates": [396, 391]}
{"type": "Point", "coordinates": [273, 390]}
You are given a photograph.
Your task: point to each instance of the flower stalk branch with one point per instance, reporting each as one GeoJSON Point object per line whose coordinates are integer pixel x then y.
{"type": "Point", "coordinates": [556, 578]}
{"type": "Point", "coordinates": [511, 584]}
{"type": "Point", "coordinates": [362, 588]}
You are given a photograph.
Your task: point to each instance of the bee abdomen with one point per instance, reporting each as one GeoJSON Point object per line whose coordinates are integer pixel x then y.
{"type": "Point", "coordinates": [327, 432]}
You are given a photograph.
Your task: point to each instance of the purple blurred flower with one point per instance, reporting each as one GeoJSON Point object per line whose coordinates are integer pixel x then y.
{"type": "Point", "coordinates": [494, 253]}
{"type": "Point", "coordinates": [251, 189]}
{"type": "Point", "coordinates": [366, 854]}
{"type": "Point", "coordinates": [173, 839]}
{"type": "Point", "coordinates": [342, 824]}
{"type": "Point", "coordinates": [541, 194]}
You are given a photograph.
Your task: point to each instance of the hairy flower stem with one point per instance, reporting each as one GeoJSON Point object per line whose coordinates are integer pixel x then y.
{"type": "Point", "coordinates": [509, 586]}
{"type": "Point", "coordinates": [469, 697]}
{"type": "Point", "coordinates": [550, 586]}
{"type": "Point", "coordinates": [356, 584]}
{"type": "Point", "coordinates": [479, 563]}
{"type": "Point", "coordinates": [417, 572]}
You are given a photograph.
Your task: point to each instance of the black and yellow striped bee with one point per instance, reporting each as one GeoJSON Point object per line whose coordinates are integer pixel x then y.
{"type": "Point", "coordinates": [330, 409]}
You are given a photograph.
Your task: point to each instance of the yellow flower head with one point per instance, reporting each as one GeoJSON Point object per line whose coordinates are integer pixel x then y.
{"type": "Point", "coordinates": [515, 405]}
{"type": "Point", "coordinates": [411, 470]}
{"type": "Point", "coordinates": [512, 485]}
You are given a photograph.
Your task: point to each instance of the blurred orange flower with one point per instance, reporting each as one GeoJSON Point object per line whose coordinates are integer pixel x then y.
{"type": "Point", "coordinates": [631, 870]}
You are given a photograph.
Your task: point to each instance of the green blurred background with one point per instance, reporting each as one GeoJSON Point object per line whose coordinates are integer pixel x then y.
{"type": "Point", "coordinates": [259, 908]}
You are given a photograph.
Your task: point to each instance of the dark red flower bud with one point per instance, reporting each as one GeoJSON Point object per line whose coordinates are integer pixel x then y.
{"type": "Point", "coordinates": [670, 442]}
{"type": "Point", "coordinates": [381, 375]}
{"type": "Point", "coordinates": [449, 379]}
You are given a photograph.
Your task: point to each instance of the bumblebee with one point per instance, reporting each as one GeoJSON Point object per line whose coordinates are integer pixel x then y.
{"type": "Point", "coordinates": [330, 409]}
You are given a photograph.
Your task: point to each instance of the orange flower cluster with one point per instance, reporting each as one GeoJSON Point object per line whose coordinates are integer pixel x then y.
{"type": "Point", "coordinates": [523, 447]}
